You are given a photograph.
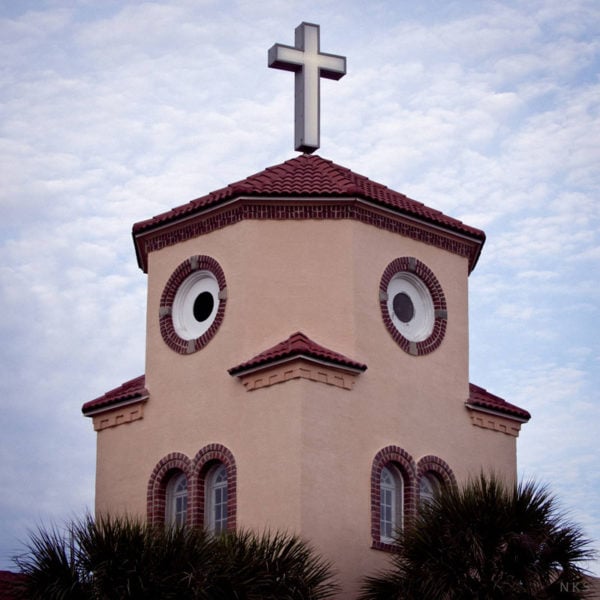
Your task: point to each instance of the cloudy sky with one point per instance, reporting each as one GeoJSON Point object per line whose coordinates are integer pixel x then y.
{"type": "Point", "coordinates": [113, 111]}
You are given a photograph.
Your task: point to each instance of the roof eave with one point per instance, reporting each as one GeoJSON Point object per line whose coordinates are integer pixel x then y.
{"type": "Point", "coordinates": [259, 366]}
{"type": "Point", "coordinates": [507, 414]}
{"type": "Point", "coordinates": [476, 239]}
{"type": "Point", "coordinates": [112, 404]}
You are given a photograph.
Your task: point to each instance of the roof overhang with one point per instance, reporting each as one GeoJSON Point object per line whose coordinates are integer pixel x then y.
{"type": "Point", "coordinates": [302, 188]}
{"type": "Point", "coordinates": [243, 207]}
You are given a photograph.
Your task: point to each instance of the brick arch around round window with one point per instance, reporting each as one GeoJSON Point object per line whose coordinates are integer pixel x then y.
{"type": "Point", "coordinates": [403, 461]}
{"type": "Point", "coordinates": [412, 265]}
{"type": "Point", "coordinates": [156, 498]}
{"type": "Point", "coordinates": [437, 466]}
{"type": "Point", "coordinates": [205, 459]}
{"type": "Point", "coordinates": [188, 267]}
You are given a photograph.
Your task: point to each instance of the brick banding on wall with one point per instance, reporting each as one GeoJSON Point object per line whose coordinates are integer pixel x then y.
{"type": "Point", "coordinates": [165, 318]}
{"type": "Point", "coordinates": [419, 269]}
{"type": "Point", "coordinates": [403, 461]}
{"type": "Point", "coordinates": [342, 208]}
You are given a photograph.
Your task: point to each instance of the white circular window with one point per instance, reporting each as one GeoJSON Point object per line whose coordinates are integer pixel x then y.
{"type": "Point", "coordinates": [192, 304]}
{"type": "Point", "coordinates": [196, 304]}
{"type": "Point", "coordinates": [413, 306]}
{"type": "Point", "coordinates": [410, 306]}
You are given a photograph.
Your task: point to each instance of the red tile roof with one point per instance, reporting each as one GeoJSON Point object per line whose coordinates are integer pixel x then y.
{"type": "Point", "coordinates": [10, 585]}
{"type": "Point", "coordinates": [482, 398]}
{"type": "Point", "coordinates": [130, 390]}
{"type": "Point", "coordinates": [306, 176]}
{"type": "Point", "coordinates": [296, 345]}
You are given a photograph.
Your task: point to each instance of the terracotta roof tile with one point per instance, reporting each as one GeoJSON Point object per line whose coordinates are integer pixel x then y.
{"type": "Point", "coordinates": [10, 585]}
{"type": "Point", "coordinates": [482, 398]}
{"type": "Point", "coordinates": [296, 345]}
{"type": "Point", "coordinates": [311, 175]}
{"type": "Point", "coordinates": [130, 390]}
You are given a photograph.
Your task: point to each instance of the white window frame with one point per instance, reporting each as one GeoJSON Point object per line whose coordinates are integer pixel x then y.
{"type": "Point", "coordinates": [177, 499]}
{"type": "Point", "coordinates": [391, 497]}
{"type": "Point", "coordinates": [216, 495]}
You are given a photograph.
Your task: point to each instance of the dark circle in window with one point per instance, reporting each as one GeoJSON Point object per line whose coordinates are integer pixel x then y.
{"type": "Point", "coordinates": [203, 306]}
{"type": "Point", "coordinates": [404, 307]}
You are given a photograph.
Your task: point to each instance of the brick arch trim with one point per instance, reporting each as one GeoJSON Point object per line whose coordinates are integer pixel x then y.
{"type": "Point", "coordinates": [437, 466]}
{"type": "Point", "coordinates": [156, 497]}
{"type": "Point", "coordinates": [426, 275]}
{"type": "Point", "coordinates": [401, 459]}
{"type": "Point", "coordinates": [202, 463]}
{"type": "Point", "coordinates": [181, 273]}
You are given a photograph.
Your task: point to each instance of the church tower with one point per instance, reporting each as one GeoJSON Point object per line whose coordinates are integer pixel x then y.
{"type": "Point", "coordinates": [307, 364]}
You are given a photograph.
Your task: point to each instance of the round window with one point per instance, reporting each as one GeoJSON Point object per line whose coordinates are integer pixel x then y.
{"type": "Point", "coordinates": [193, 304]}
{"type": "Point", "coordinates": [413, 306]}
{"type": "Point", "coordinates": [410, 306]}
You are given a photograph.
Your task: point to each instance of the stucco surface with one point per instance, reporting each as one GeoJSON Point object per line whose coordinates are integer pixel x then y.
{"type": "Point", "coordinates": [303, 449]}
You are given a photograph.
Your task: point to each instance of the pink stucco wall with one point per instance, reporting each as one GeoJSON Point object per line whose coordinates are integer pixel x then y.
{"type": "Point", "coordinates": [304, 449]}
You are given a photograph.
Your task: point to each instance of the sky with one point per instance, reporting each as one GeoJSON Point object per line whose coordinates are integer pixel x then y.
{"type": "Point", "coordinates": [114, 111]}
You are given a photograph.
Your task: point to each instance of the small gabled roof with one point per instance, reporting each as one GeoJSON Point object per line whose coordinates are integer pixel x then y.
{"type": "Point", "coordinates": [480, 397]}
{"type": "Point", "coordinates": [296, 346]}
{"type": "Point", "coordinates": [129, 391]}
{"type": "Point", "coordinates": [310, 175]}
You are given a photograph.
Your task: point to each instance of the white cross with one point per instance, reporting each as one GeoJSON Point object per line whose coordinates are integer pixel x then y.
{"type": "Point", "coordinates": [308, 65]}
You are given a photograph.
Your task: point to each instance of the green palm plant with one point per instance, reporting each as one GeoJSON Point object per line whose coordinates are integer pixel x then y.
{"type": "Point", "coordinates": [270, 567]}
{"type": "Point", "coordinates": [121, 558]}
{"type": "Point", "coordinates": [130, 559]}
{"type": "Point", "coordinates": [52, 568]}
{"type": "Point", "coordinates": [487, 541]}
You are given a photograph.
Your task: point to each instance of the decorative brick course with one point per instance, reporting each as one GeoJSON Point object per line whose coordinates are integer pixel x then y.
{"type": "Point", "coordinates": [181, 273]}
{"type": "Point", "coordinates": [415, 266]}
{"type": "Point", "coordinates": [195, 470]}
{"type": "Point", "coordinates": [298, 368]}
{"type": "Point", "coordinates": [307, 187]}
{"type": "Point", "coordinates": [119, 416]}
{"type": "Point", "coordinates": [495, 422]}
{"type": "Point", "coordinates": [293, 209]}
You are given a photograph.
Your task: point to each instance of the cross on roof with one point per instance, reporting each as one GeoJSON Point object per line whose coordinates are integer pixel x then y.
{"type": "Point", "coordinates": [308, 65]}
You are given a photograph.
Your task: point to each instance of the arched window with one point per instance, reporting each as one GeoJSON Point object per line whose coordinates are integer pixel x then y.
{"type": "Point", "coordinates": [201, 492]}
{"type": "Point", "coordinates": [169, 488]}
{"type": "Point", "coordinates": [391, 493]}
{"type": "Point", "coordinates": [434, 475]}
{"type": "Point", "coordinates": [177, 500]}
{"type": "Point", "coordinates": [429, 485]}
{"type": "Point", "coordinates": [216, 505]}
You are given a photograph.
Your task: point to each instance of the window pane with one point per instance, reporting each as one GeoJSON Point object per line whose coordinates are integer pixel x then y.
{"type": "Point", "coordinates": [216, 494]}
{"type": "Point", "coordinates": [176, 500]}
{"type": "Point", "coordinates": [428, 486]}
{"type": "Point", "coordinates": [391, 494]}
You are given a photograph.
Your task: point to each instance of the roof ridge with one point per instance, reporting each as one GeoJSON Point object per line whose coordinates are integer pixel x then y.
{"type": "Point", "coordinates": [308, 177]}
{"type": "Point", "coordinates": [297, 344]}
